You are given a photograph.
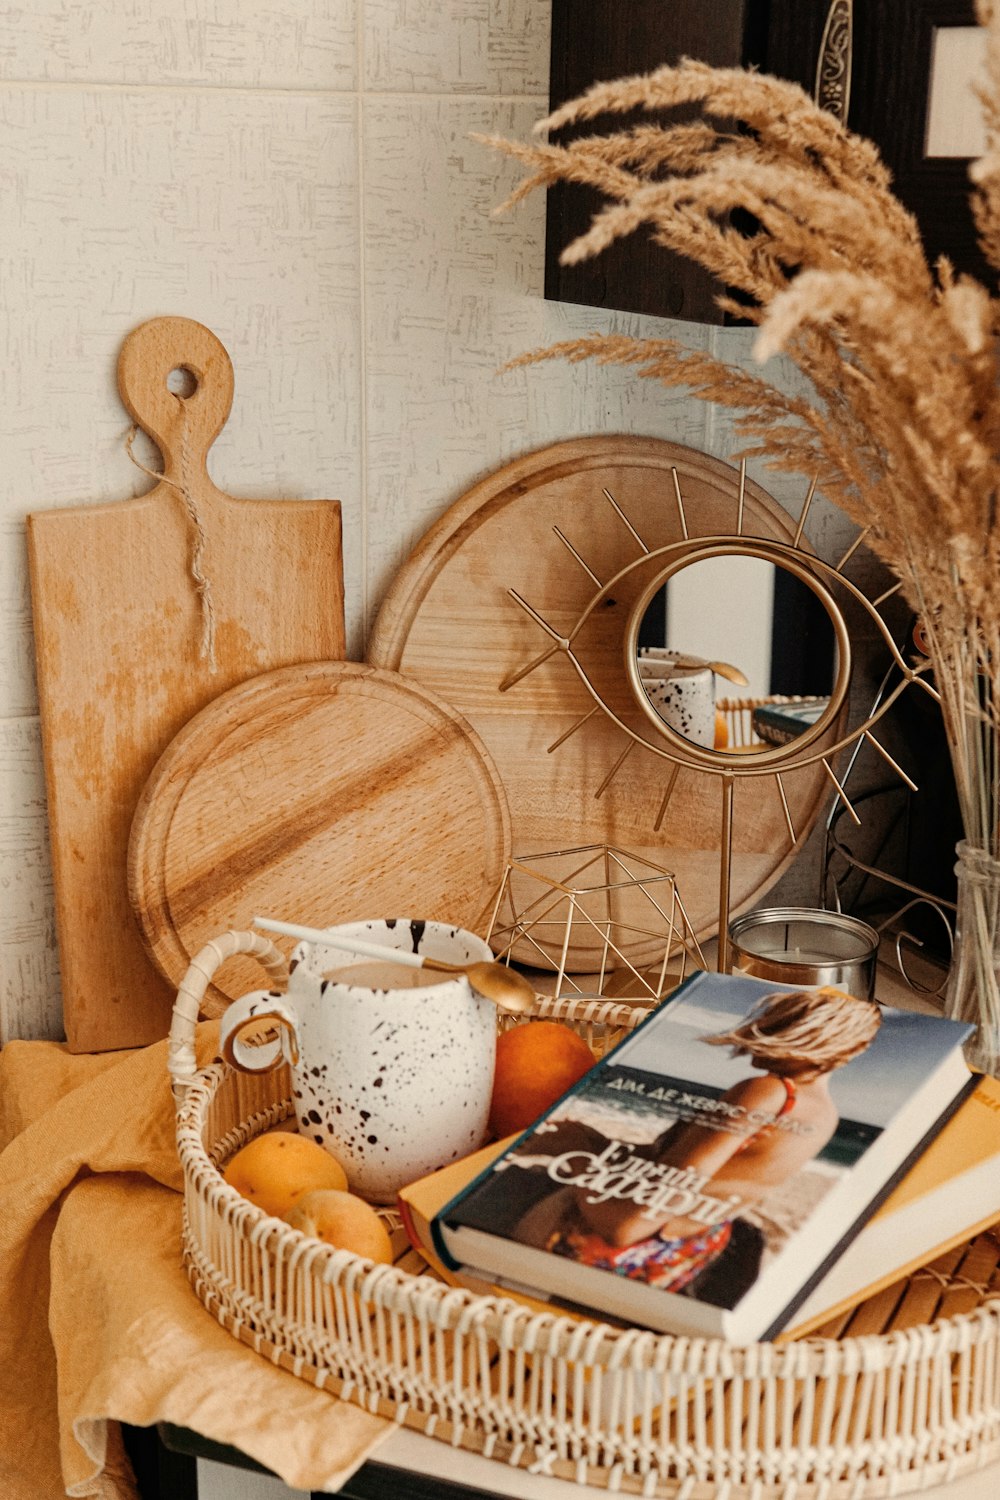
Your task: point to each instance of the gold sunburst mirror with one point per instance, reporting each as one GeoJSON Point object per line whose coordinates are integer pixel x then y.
{"type": "Point", "coordinates": [527, 605]}
{"type": "Point", "coordinates": [649, 693]}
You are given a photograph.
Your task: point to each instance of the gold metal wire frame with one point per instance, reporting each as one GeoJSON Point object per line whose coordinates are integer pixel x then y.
{"type": "Point", "coordinates": [589, 896]}
{"type": "Point", "coordinates": [661, 739]}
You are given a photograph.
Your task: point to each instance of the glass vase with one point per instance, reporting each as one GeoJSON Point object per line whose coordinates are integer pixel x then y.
{"type": "Point", "coordinates": [973, 991]}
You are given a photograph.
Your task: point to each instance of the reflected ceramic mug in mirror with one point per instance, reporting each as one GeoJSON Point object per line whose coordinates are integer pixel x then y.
{"type": "Point", "coordinates": [730, 620]}
{"type": "Point", "coordinates": [392, 1067]}
{"type": "Point", "coordinates": [682, 694]}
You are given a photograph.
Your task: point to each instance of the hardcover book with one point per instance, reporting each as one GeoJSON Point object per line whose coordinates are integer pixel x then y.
{"type": "Point", "coordinates": [707, 1172]}
{"type": "Point", "coordinates": [780, 723]}
{"type": "Point", "coordinates": [950, 1194]}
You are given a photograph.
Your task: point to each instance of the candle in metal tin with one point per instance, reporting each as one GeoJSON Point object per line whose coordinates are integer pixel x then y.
{"type": "Point", "coordinates": [802, 946]}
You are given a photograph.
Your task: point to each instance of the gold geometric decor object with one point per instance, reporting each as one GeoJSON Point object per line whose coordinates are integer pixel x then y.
{"type": "Point", "coordinates": [595, 901]}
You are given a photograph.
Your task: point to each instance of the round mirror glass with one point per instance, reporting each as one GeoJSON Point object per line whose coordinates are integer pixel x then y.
{"type": "Point", "coordinates": [737, 654]}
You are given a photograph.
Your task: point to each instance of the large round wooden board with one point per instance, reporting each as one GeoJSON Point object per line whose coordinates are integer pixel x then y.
{"type": "Point", "coordinates": [328, 792]}
{"type": "Point", "coordinates": [448, 622]}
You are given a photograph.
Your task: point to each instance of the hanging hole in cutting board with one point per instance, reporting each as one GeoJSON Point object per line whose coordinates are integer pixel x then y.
{"type": "Point", "coordinates": [182, 382]}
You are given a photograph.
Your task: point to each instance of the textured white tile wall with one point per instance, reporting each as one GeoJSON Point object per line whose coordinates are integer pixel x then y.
{"type": "Point", "coordinates": [301, 176]}
{"type": "Point", "coordinates": [236, 208]}
{"type": "Point", "coordinates": [453, 293]}
{"type": "Point", "coordinates": [495, 47]}
{"type": "Point", "coordinates": [298, 175]}
{"type": "Point", "coordinates": [299, 44]}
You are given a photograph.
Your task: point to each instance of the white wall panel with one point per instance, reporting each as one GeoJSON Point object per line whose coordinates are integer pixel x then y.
{"type": "Point", "coordinates": [17, 651]}
{"type": "Point", "coordinates": [452, 294]}
{"type": "Point", "coordinates": [458, 46]}
{"type": "Point", "coordinates": [308, 44]}
{"type": "Point", "coordinates": [29, 965]}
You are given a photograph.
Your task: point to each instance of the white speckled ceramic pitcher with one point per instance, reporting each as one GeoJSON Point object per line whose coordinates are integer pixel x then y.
{"type": "Point", "coordinates": [683, 696]}
{"type": "Point", "coordinates": [395, 1082]}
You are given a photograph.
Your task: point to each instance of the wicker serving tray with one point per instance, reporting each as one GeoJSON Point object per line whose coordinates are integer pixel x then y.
{"type": "Point", "coordinates": [901, 1393]}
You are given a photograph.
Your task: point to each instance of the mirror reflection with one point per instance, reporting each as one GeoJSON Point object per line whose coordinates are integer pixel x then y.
{"type": "Point", "coordinates": [737, 654]}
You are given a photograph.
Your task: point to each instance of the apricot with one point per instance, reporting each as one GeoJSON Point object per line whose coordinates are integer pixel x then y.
{"type": "Point", "coordinates": [536, 1062]}
{"type": "Point", "coordinates": [344, 1221]}
{"type": "Point", "coordinates": [274, 1170]}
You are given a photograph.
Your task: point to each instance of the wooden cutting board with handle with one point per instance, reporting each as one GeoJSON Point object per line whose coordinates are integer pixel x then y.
{"type": "Point", "coordinates": [144, 611]}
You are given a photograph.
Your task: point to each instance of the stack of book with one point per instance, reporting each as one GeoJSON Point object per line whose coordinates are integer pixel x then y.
{"type": "Point", "coordinates": [779, 723]}
{"type": "Point", "coordinates": [746, 1164]}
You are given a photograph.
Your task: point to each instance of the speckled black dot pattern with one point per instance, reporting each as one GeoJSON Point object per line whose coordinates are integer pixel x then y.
{"type": "Point", "coordinates": [687, 704]}
{"type": "Point", "coordinates": [393, 1083]}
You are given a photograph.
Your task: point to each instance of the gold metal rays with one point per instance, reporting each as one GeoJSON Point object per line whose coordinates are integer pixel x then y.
{"type": "Point", "coordinates": [621, 696]}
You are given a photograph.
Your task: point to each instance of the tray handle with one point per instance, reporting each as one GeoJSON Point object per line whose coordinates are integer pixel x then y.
{"type": "Point", "coordinates": [181, 1061]}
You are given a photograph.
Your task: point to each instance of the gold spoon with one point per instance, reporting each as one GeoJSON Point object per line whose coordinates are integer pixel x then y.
{"type": "Point", "coordinates": [696, 663]}
{"type": "Point", "coordinates": [508, 989]}
{"type": "Point", "coordinates": [725, 669]}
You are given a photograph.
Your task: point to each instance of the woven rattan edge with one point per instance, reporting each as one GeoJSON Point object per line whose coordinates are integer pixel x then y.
{"type": "Point", "coordinates": [940, 1418]}
{"type": "Point", "coordinates": [547, 1460]}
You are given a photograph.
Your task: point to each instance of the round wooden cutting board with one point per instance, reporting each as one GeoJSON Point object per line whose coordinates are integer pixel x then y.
{"type": "Point", "coordinates": [323, 793]}
{"type": "Point", "coordinates": [449, 622]}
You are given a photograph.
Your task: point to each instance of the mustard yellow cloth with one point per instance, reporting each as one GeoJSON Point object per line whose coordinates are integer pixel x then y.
{"type": "Point", "coordinates": [98, 1324]}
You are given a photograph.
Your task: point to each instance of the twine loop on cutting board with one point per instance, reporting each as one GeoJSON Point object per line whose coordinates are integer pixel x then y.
{"type": "Point", "coordinates": [202, 582]}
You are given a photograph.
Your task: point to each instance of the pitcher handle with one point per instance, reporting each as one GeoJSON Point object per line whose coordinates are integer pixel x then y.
{"type": "Point", "coordinates": [253, 1009]}
{"type": "Point", "coordinates": [181, 1061]}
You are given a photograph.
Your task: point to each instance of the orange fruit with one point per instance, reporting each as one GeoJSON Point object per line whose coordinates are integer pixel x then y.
{"type": "Point", "coordinates": [721, 731]}
{"type": "Point", "coordinates": [536, 1062]}
{"type": "Point", "coordinates": [274, 1170]}
{"type": "Point", "coordinates": [344, 1221]}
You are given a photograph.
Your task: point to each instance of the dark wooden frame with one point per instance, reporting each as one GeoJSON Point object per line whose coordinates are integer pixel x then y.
{"type": "Point", "coordinates": [892, 108]}
{"type": "Point", "coordinates": [598, 41]}
{"type": "Point", "coordinates": [607, 39]}
{"type": "Point", "coordinates": [891, 69]}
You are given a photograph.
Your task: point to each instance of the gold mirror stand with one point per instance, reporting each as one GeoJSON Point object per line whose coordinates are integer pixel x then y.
{"type": "Point", "coordinates": [657, 566]}
{"type": "Point", "coordinates": [726, 766]}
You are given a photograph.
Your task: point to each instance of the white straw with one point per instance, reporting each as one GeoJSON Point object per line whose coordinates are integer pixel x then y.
{"type": "Point", "coordinates": [342, 941]}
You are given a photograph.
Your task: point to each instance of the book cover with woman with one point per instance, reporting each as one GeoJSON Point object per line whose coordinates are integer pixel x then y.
{"type": "Point", "coordinates": [715, 1136]}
